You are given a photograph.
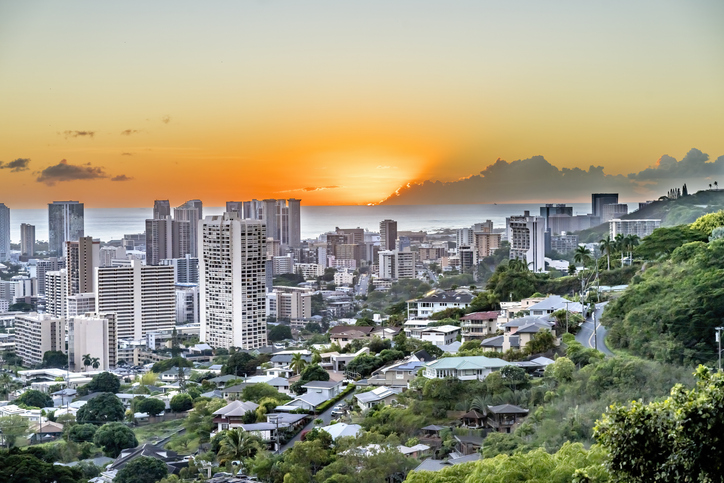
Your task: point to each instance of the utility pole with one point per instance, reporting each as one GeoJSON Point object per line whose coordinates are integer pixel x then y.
{"type": "Point", "coordinates": [718, 339]}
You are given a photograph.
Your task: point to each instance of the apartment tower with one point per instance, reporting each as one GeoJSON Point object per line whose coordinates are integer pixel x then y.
{"type": "Point", "coordinates": [65, 223]}
{"type": "Point", "coordinates": [4, 232]}
{"type": "Point", "coordinates": [27, 240]}
{"type": "Point", "coordinates": [388, 235]}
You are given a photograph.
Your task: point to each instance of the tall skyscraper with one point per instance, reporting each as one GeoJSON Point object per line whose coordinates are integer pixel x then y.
{"type": "Point", "coordinates": [51, 264]}
{"type": "Point", "coordinates": [600, 199]}
{"type": "Point", "coordinates": [235, 207]}
{"type": "Point", "coordinates": [270, 219]}
{"type": "Point", "coordinates": [526, 235]}
{"type": "Point", "coordinates": [27, 240]}
{"type": "Point", "coordinates": [388, 235]}
{"type": "Point", "coordinates": [161, 209]}
{"type": "Point", "coordinates": [65, 223]}
{"type": "Point", "coordinates": [56, 292]}
{"type": "Point", "coordinates": [4, 232]}
{"type": "Point", "coordinates": [82, 258]}
{"type": "Point", "coordinates": [93, 334]}
{"type": "Point", "coordinates": [295, 222]}
{"type": "Point", "coordinates": [191, 211]}
{"type": "Point", "coordinates": [185, 269]}
{"type": "Point", "coordinates": [232, 272]}
{"type": "Point", "coordinates": [142, 296]}
{"type": "Point", "coordinates": [159, 240]}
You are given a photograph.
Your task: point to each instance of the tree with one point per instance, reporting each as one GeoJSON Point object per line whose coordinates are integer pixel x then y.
{"type": "Point", "coordinates": [12, 427]}
{"type": "Point", "coordinates": [298, 363]}
{"type": "Point", "coordinates": [34, 398]}
{"type": "Point", "coordinates": [114, 438]}
{"type": "Point", "coordinates": [312, 372]}
{"type": "Point", "coordinates": [96, 362]}
{"type": "Point", "coordinates": [607, 246]}
{"type": "Point", "coordinates": [257, 392]}
{"type": "Point", "coordinates": [21, 466]}
{"type": "Point", "coordinates": [143, 469]}
{"type": "Point", "coordinates": [152, 406]}
{"type": "Point", "coordinates": [87, 361]}
{"type": "Point", "coordinates": [541, 342]}
{"type": "Point", "coordinates": [582, 255]}
{"type": "Point", "coordinates": [515, 377]}
{"type": "Point", "coordinates": [6, 383]}
{"type": "Point", "coordinates": [104, 382]}
{"type": "Point", "coordinates": [80, 433]}
{"type": "Point", "coordinates": [666, 439]}
{"type": "Point", "coordinates": [55, 359]}
{"type": "Point", "coordinates": [562, 369]}
{"type": "Point", "coordinates": [181, 402]}
{"type": "Point", "coordinates": [280, 332]}
{"type": "Point", "coordinates": [238, 445]}
{"type": "Point", "coordinates": [663, 241]}
{"type": "Point", "coordinates": [104, 408]}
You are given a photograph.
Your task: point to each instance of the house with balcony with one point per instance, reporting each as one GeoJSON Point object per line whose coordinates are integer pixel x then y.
{"type": "Point", "coordinates": [464, 368]}
{"type": "Point", "coordinates": [441, 335]}
{"type": "Point", "coordinates": [552, 304]}
{"type": "Point", "coordinates": [344, 334]}
{"type": "Point", "coordinates": [413, 327]}
{"type": "Point", "coordinates": [232, 415]}
{"type": "Point", "coordinates": [479, 325]}
{"type": "Point", "coordinates": [426, 306]}
{"type": "Point", "coordinates": [505, 418]}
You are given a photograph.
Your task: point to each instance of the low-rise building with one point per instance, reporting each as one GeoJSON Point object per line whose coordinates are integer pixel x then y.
{"type": "Point", "coordinates": [381, 395]}
{"type": "Point", "coordinates": [478, 325]}
{"type": "Point", "coordinates": [437, 302]}
{"type": "Point", "coordinates": [464, 368]}
{"type": "Point", "coordinates": [440, 335]}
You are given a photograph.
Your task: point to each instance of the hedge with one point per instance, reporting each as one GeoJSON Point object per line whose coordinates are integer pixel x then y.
{"type": "Point", "coordinates": [325, 405]}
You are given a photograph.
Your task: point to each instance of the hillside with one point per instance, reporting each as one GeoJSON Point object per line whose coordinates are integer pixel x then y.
{"type": "Point", "coordinates": [671, 212]}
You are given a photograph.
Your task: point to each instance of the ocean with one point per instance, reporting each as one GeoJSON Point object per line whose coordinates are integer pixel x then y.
{"type": "Point", "coordinates": [112, 223]}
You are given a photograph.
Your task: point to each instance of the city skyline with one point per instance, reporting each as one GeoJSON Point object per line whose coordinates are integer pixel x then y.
{"type": "Point", "coordinates": [345, 104]}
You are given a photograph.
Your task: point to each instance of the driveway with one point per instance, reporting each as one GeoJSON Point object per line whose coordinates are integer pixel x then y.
{"type": "Point", "coordinates": [588, 337]}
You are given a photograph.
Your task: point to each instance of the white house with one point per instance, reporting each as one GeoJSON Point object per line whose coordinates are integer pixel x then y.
{"type": "Point", "coordinates": [440, 335]}
{"type": "Point", "coordinates": [553, 304]}
{"type": "Point", "coordinates": [328, 389]}
{"type": "Point", "coordinates": [464, 368]}
{"type": "Point", "coordinates": [232, 415]}
{"type": "Point", "coordinates": [413, 327]}
{"type": "Point", "coordinates": [342, 430]}
{"type": "Point", "coordinates": [310, 402]}
{"type": "Point", "coordinates": [437, 302]}
{"type": "Point", "coordinates": [380, 395]}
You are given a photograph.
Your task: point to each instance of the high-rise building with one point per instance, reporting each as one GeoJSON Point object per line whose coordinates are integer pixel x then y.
{"type": "Point", "coordinates": [191, 211]}
{"type": "Point", "coordinates": [526, 235]}
{"type": "Point", "coordinates": [640, 228]}
{"type": "Point", "coordinates": [295, 222]}
{"type": "Point", "coordinates": [56, 292]}
{"type": "Point", "coordinates": [82, 258]}
{"type": "Point", "coordinates": [388, 235]}
{"type": "Point", "coordinates": [142, 296]}
{"type": "Point", "coordinates": [600, 199]}
{"type": "Point", "coordinates": [289, 303]}
{"type": "Point", "coordinates": [36, 334]}
{"type": "Point", "coordinates": [486, 243]}
{"type": "Point", "coordinates": [395, 265]}
{"type": "Point", "coordinates": [235, 207]}
{"type": "Point", "coordinates": [613, 211]}
{"type": "Point", "coordinates": [555, 210]}
{"type": "Point", "coordinates": [4, 232]}
{"type": "Point", "coordinates": [51, 264]}
{"type": "Point", "coordinates": [232, 272]}
{"type": "Point", "coordinates": [80, 304]}
{"type": "Point", "coordinates": [253, 210]}
{"type": "Point", "coordinates": [159, 240]}
{"type": "Point", "coordinates": [27, 240]}
{"type": "Point", "coordinates": [181, 238]}
{"type": "Point", "coordinates": [187, 303]}
{"type": "Point", "coordinates": [161, 209]}
{"type": "Point", "coordinates": [93, 334]}
{"type": "Point", "coordinates": [65, 223]}
{"type": "Point", "coordinates": [109, 253]}
{"type": "Point", "coordinates": [270, 218]}
{"type": "Point", "coordinates": [185, 270]}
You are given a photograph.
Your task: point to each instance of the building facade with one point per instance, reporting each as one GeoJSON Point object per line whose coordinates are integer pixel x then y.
{"type": "Point", "coordinates": [27, 240]}
{"type": "Point", "coordinates": [4, 232]}
{"type": "Point", "coordinates": [526, 235]}
{"type": "Point", "coordinates": [388, 235]}
{"type": "Point", "coordinates": [598, 200]}
{"type": "Point", "coordinates": [93, 334]}
{"type": "Point", "coordinates": [65, 223]}
{"type": "Point", "coordinates": [232, 270]}
{"type": "Point", "coordinates": [640, 228]}
{"type": "Point", "coordinates": [36, 334]}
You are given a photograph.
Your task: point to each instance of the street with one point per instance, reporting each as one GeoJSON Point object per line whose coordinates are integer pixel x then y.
{"type": "Point", "coordinates": [586, 335]}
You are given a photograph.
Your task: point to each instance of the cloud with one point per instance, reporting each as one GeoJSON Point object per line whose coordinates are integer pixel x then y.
{"type": "Point", "coordinates": [70, 172]}
{"type": "Point", "coordinates": [693, 165]}
{"type": "Point", "coordinates": [75, 134]}
{"type": "Point", "coordinates": [20, 164]}
{"type": "Point", "coordinates": [166, 119]}
{"type": "Point", "coordinates": [308, 189]}
{"type": "Point", "coordinates": [121, 177]}
{"type": "Point", "coordinates": [527, 180]}
{"type": "Point", "coordinates": [128, 132]}
{"type": "Point", "coordinates": [126, 154]}
{"type": "Point", "coordinates": [386, 167]}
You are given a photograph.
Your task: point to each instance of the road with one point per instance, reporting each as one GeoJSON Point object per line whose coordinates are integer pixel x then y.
{"type": "Point", "coordinates": [326, 416]}
{"type": "Point", "coordinates": [362, 285]}
{"type": "Point", "coordinates": [586, 335]}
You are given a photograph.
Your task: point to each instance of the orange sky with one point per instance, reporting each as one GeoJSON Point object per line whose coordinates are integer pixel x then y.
{"type": "Point", "coordinates": [342, 102]}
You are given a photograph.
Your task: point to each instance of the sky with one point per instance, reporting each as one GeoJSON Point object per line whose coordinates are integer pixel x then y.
{"type": "Point", "coordinates": [341, 102]}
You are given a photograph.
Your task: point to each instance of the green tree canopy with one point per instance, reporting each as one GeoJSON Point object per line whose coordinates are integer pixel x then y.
{"type": "Point", "coordinates": [151, 406]}
{"type": "Point", "coordinates": [143, 469]}
{"type": "Point", "coordinates": [80, 433]}
{"type": "Point", "coordinates": [55, 359]}
{"type": "Point", "coordinates": [257, 392]}
{"type": "Point", "coordinates": [34, 398]}
{"type": "Point", "coordinates": [114, 438]}
{"type": "Point", "coordinates": [181, 402]}
{"type": "Point", "coordinates": [17, 466]}
{"type": "Point", "coordinates": [102, 409]}
{"type": "Point", "coordinates": [280, 332]}
{"type": "Point", "coordinates": [12, 427]}
{"type": "Point", "coordinates": [104, 382]}
{"type": "Point", "coordinates": [313, 372]}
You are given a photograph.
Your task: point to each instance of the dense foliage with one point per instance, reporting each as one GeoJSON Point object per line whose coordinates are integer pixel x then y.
{"type": "Point", "coordinates": [34, 398]}
{"type": "Point", "coordinates": [104, 408]}
{"type": "Point", "coordinates": [23, 467]}
{"type": "Point", "coordinates": [142, 470]}
{"type": "Point", "coordinates": [114, 438]}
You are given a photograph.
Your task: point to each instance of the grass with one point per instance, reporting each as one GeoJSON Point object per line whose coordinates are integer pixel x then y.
{"type": "Point", "coordinates": [156, 431]}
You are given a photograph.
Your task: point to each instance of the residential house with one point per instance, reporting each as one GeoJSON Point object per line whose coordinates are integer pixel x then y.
{"type": "Point", "coordinates": [413, 327]}
{"type": "Point", "coordinates": [498, 343]}
{"type": "Point", "coordinates": [342, 430]}
{"type": "Point", "coordinates": [329, 389]}
{"type": "Point", "coordinates": [309, 402]}
{"type": "Point", "coordinates": [45, 431]}
{"type": "Point", "coordinates": [380, 395]}
{"type": "Point", "coordinates": [174, 462]}
{"type": "Point", "coordinates": [473, 419]}
{"type": "Point", "coordinates": [437, 465]}
{"type": "Point", "coordinates": [399, 374]}
{"type": "Point", "coordinates": [479, 325]}
{"type": "Point", "coordinates": [464, 368]}
{"type": "Point", "coordinates": [232, 415]}
{"type": "Point", "coordinates": [386, 333]}
{"type": "Point", "coordinates": [437, 302]}
{"type": "Point", "coordinates": [505, 418]}
{"type": "Point", "coordinates": [440, 335]}
{"type": "Point", "coordinates": [344, 334]}
{"type": "Point", "coordinates": [468, 445]}
{"type": "Point", "coordinates": [552, 304]}
{"type": "Point", "coordinates": [337, 362]}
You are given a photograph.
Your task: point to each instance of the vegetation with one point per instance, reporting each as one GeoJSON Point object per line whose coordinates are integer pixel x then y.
{"type": "Point", "coordinates": [55, 359]}
{"type": "Point", "coordinates": [143, 469]}
{"type": "Point", "coordinates": [280, 332]}
{"type": "Point", "coordinates": [103, 382]}
{"type": "Point", "coordinates": [12, 427]}
{"type": "Point", "coordinates": [181, 402]}
{"type": "Point", "coordinates": [151, 406]}
{"type": "Point", "coordinates": [24, 467]}
{"type": "Point", "coordinates": [312, 372]}
{"type": "Point", "coordinates": [33, 398]}
{"type": "Point", "coordinates": [114, 438]}
{"type": "Point", "coordinates": [104, 408]}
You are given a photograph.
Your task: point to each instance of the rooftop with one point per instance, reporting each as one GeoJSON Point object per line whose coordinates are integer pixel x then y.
{"type": "Point", "coordinates": [491, 315]}
{"type": "Point", "coordinates": [470, 362]}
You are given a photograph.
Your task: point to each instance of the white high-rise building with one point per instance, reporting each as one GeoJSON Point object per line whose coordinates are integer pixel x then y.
{"type": "Point", "coordinates": [56, 292]}
{"type": "Point", "coordinates": [640, 228]}
{"type": "Point", "coordinates": [80, 304]}
{"type": "Point", "coordinates": [36, 334]}
{"type": "Point", "coordinates": [192, 212]}
{"type": "Point", "coordinates": [187, 303]}
{"type": "Point", "coordinates": [142, 296]}
{"type": "Point", "coordinates": [232, 273]}
{"type": "Point", "coordinates": [93, 334]}
{"type": "Point", "coordinates": [394, 264]}
{"type": "Point", "coordinates": [4, 232]}
{"type": "Point", "coordinates": [526, 235]}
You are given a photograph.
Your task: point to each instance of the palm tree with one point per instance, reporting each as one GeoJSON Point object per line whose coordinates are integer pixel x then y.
{"type": "Point", "coordinates": [87, 361]}
{"type": "Point", "coordinates": [709, 185]}
{"type": "Point", "coordinates": [5, 382]}
{"type": "Point", "coordinates": [631, 242]}
{"type": "Point", "coordinates": [582, 256]}
{"type": "Point", "coordinates": [237, 445]}
{"type": "Point", "coordinates": [716, 185]}
{"type": "Point", "coordinates": [481, 403]}
{"type": "Point", "coordinates": [96, 362]}
{"type": "Point", "coordinates": [620, 245]}
{"type": "Point", "coordinates": [298, 363]}
{"type": "Point", "coordinates": [607, 245]}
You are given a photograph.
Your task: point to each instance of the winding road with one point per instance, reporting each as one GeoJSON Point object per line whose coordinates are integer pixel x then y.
{"type": "Point", "coordinates": [589, 338]}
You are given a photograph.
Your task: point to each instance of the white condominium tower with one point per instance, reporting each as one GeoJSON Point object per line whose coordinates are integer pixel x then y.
{"type": "Point", "coordinates": [232, 281]}
{"type": "Point", "coordinates": [142, 296]}
{"type": "Point", "coordinates": [526, 235]}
